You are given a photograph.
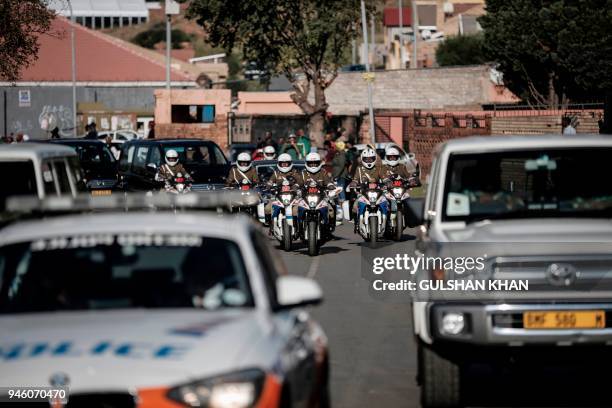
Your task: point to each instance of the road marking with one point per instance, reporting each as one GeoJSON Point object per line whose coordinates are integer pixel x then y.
{"type": "Point", "coordinates": [314, 267]}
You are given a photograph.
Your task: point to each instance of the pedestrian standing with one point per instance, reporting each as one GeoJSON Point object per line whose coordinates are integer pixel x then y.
{"type": "Point", "coordinates": [93, 133]}
{"type": "Point", "coordinates": [151, 133]}
{"type": "Point", "coordinates": [339, 168]}
{"type": "Point", "coordinates": [303, 141]}
{"type": "Point", "coordinates": [566, 124]}
{"type": "Point", "coordinates": [292, 148]}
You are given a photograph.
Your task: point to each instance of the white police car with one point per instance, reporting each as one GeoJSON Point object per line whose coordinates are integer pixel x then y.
{"type": "Point", "coordinates": [157, 310]}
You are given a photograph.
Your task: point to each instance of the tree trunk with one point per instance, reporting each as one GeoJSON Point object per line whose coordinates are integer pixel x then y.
{"type": "Point", "coordinates": [316, 128]}
{"type": "Point", "coordinates": [317, 117]}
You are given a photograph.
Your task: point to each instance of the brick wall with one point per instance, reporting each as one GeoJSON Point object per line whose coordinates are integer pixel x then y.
{"type": "Point", "coordinates": [216, 132]}
{"type": "Point", "coordinates": [425, 132]}
{"type": "Point", "coordinates": [544, 123]}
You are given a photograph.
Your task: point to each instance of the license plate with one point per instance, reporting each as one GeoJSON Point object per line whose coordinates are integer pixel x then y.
{"type": "Point", "coordinates": [101, 192]}
{"type": "Point", "coordinates": [584, 319]}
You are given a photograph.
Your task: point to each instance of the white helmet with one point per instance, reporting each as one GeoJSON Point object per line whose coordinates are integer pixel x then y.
{"type": "Point", "coordinates": [269, 153]}
{"type": "Point", "coordinates": [244, 161]}
{"type": "Point", "coordinates": [392, 156]}
{"type": "Point", "coordinates": [285, 163]}
{"type": "Point", "coordinates": [368, 158]}
{"type": "Point", "coordinates": [313, 162]}
{"type": "Point", "coordinates": [172, 157]}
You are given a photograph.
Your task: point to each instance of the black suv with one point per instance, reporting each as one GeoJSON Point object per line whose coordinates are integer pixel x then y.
{"type": "Point", "coordinates": [203, 159]}
{"type": "Point", "coordinates": [98, 164]}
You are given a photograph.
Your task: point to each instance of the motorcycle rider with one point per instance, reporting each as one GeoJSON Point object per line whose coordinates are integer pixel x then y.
{"type": "Point", "coordinates": [313, 172]}
{"type": "Point", "coordinates": [269, 153]}
{"type": "Point", "coordinates": [392, 168]}
{"type": "Point", "coordinates": [167, 171]}
{"type": "Point", "coordinates": [243, 171]}
{"type": "Point", "coordinates": [284, 172]}
{"type": "Point", "coordinates": [368, 172]}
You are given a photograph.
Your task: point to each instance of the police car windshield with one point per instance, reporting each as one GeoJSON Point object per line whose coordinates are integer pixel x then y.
{"type": "Point", "coordinates": [93, 272]}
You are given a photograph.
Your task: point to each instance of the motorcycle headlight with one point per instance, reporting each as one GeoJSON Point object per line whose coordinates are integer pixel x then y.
{"type": "Point", "coordinates": [398, 192]}
{"type": "Point", "coordinates": [372, 196]}
{"type": "Point", "coordinates": [236, 390]}
{"type": "Point", "coordinates": [312, 201]}
{"type": "Point", "coordinates": [286, 198]}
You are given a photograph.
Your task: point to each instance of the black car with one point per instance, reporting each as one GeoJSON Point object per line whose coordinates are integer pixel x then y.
{"type": "Point", "coordinates": [98, 164]}
{"type": "Point", "coordinates": [140, 161]}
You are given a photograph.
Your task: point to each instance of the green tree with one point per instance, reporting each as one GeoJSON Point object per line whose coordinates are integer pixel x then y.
{"type": "Point", "coordinates": [461, 50]}
{"type": "Point", "coordinates": [551, 51]}
{"type": "Point", "coordinates": [157, 34]}
{"type": "Point", "coordinates": [21, 23]}
{"type": "Point", "coordinates": [302, 39]}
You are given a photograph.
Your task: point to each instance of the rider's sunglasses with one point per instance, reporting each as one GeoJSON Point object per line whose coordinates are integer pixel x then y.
{"type": "Point", "coordinates": [313, 163]}
{"type": "Point", "coordinates": [369, 159]}
{"type": "Point", "coordinates": [392, 158]}
{"type": "Point", "coordinates": [284, 164]}
{"type": "Point", "coordinates": [243, 163]}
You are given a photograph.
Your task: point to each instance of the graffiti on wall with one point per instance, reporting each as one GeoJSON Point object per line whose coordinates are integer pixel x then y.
{"type": "Point", "coordinates": [24, 127]}
{"type": "Point", "coordinates": [56, 115]}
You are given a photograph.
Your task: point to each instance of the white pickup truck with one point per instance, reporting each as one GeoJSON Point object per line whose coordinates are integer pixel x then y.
{"type": "Point", "coordinates": [537, 210]}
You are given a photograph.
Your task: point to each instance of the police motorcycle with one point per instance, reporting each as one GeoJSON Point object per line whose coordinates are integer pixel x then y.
{"type": "Point", "coordinates": [398, 193]}
{"type": "Point", "coordinates": [250, 202]}
{"type": "Point", "coordinates": [284, 228]}
{"type": "Point", "coordinates": [372, 222]}
{"type": "Point", "coordinates": [178, 184]}
{"type": "Point", "coordinates": [316, 224]}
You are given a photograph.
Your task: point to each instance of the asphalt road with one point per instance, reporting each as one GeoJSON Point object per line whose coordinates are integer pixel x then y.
{"type": "Point", "coordinates": [373, 361]}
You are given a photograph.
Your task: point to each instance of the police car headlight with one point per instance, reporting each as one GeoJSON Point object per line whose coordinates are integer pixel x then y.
{"type": "Point", "coordinates": [236, 390]}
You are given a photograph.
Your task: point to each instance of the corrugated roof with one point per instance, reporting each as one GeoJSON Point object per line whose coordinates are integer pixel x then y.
{"type": "Point", "coordinates": [101, 8]}
{"type": "Point", "coordinates": [99, 57]}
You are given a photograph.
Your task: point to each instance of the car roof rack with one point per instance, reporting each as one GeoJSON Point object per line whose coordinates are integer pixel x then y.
{"type": "Point", "coordinates": [31, 206]}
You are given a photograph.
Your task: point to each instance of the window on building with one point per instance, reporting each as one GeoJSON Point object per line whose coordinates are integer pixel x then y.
{"type": "Point", "coordinates": [98, 22]}
{"type": "Point", "coordinates": [193, 113]}
{"type": "Point", "coordinates": [80, 20]}
{"type": "Point", "coordinates": [116, 21]}
{"type": "Point", "coordinates": [88, 22]}
{"type": "Point", "coordinates": [107, 22]}
{"type": "Point", "coordinates": [126, 21]}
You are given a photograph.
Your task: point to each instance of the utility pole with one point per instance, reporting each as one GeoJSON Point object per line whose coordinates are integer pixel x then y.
{"type": "Point", "coordinates": [168, 47]}
{"type": "Point", "coordinates": [415, 32]}
{"type": "Point", "coordinates": [364, 27]}
{"type": "Point", "coordinates": [373, 39]}
{"type": "Point", "coordinates": [172, 8]}
{"type": "Point", "coordinates": [401, 36]}
{"type": "Point", "coordinates": [73, 52]}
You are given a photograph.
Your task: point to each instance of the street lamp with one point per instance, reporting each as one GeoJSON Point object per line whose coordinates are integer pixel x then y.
{"type": "Point", "coordinates": [73, 51]}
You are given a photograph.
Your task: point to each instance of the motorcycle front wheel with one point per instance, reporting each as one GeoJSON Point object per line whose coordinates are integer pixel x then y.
{"type": "Point", "coordinates": [286, 236]}
{"type": "Point", "coordinates": [373, 223]}
{"type": "Point", "coordinates": [399, 226]}
{"type": "Point", "coordinates": [313, 244]}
